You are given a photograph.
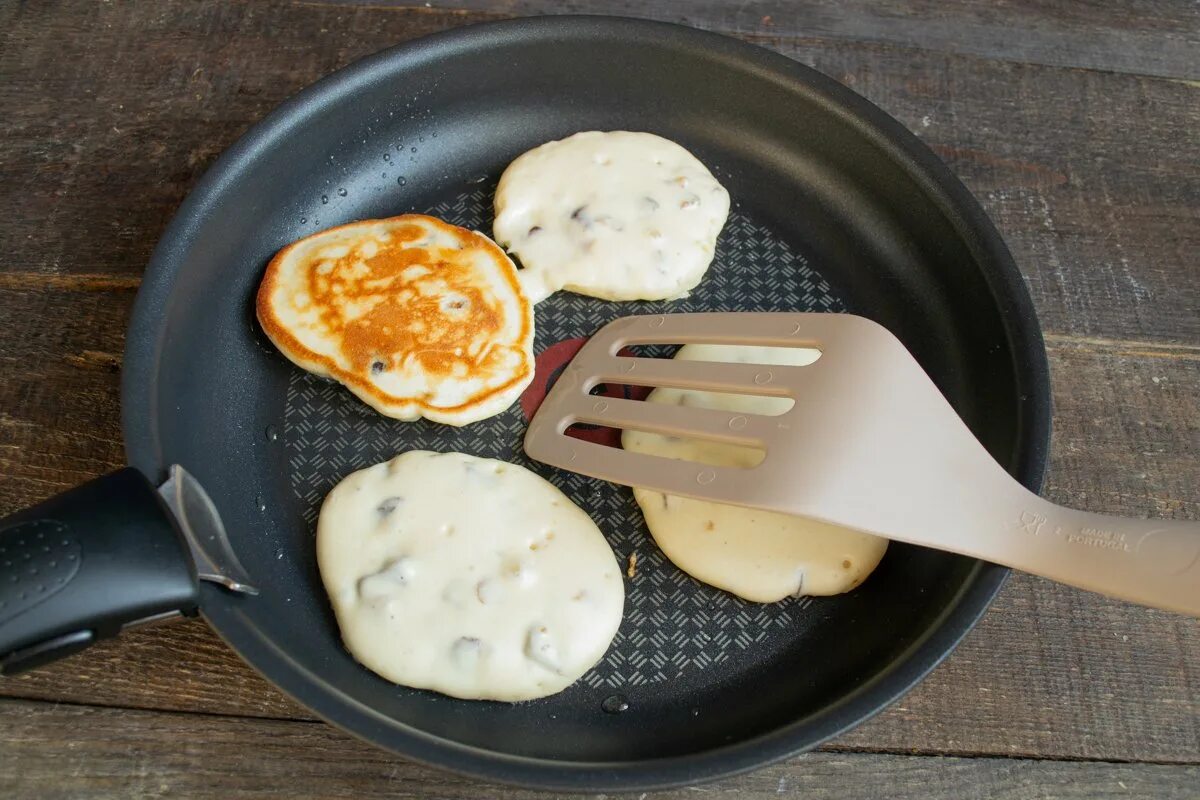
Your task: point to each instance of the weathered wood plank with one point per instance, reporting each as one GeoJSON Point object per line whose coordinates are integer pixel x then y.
{"type": "Point", "coordinates": [79, 752]}
{"type": "Point", "coordinates": [1127, 427]}
{"type": "Point", "coordinates": [1050, 671]}
{"type": "Point", "coordinates": [60, 395]}
{"type": "Point", "coordinates": [1093, 177]}
{"type": "Point", "coordinates": [1084, 173]}
{"type": "Point", "coordinates": [1150, 38]}
{"type": "Point", "coordinates": [112, 111]}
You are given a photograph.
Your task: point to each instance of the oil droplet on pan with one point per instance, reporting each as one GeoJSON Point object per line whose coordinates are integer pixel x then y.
{"type": "Point", "coordinates": [615, 704]}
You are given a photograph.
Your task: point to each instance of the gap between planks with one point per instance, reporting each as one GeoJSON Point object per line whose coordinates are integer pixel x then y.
{"type": "Point", "coordinates": [80, 282]}
{"type": "Point", "coordinates": [484, 14]}
{"type": "Point", "coordinates": [1123, 347]}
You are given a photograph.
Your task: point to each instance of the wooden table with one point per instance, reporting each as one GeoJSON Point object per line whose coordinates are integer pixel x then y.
{"type": "Point", "coordinates": [1077, 128]}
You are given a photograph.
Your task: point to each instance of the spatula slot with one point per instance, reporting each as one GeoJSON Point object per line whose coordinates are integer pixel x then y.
{"type": "Point", "coordinates": [765, 355]}
{"type": "Point", "coordinates": [675, 448]}
{"type": "Point", "coordinates": [721, 400]}
{"type": "Point", "coordinates": [753, 379]}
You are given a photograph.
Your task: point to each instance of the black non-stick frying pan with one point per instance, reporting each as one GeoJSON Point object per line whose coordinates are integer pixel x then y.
{"type": "Point", "coordinates": [836, 207]}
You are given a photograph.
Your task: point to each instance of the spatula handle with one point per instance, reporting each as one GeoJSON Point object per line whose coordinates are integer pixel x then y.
{"type": "Point", "coordinates": [1149, 561]}
{"type": "Point", "coordinates": [1154, 562]}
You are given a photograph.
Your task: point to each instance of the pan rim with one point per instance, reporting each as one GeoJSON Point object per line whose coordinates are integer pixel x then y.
{"type": "Point", "coordinates": [144, 345]}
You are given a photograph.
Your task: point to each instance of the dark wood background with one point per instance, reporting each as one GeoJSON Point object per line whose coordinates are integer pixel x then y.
{"type": "Point", "coordinates": [1076, 125]}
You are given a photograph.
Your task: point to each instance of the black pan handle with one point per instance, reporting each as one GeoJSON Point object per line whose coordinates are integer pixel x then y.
{"type": "Point", "coordinates": [81, 566]}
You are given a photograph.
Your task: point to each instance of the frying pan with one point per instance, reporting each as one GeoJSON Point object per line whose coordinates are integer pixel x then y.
{"type": "Point", "coordinates": [836, 208]}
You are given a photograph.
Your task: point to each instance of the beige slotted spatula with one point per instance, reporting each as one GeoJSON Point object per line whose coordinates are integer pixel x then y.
{"type": "Point", "coordinates": [870, 444]}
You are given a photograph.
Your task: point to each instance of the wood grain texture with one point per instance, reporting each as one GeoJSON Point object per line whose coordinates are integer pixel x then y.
{"type": "Point", "coordinates": [1093, 177]}
{"type": "Point", "coordinates": [60, 392]}
{"type": "Point", "coordinates": [1073, 124]}
{"type": "Point", "coordinates": [1151, 38]}
{"type": "Point", "coordinates": [49, 752]}
{"type": "Point", "coordinates": [1090, 177]}
{"type": "Point", "coordinates": [1050, 671]}
{"type": "Point", "coordinates": [114, 110]}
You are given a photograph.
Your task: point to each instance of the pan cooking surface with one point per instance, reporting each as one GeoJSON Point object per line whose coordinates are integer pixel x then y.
{"type": "Point", "coordinates": [837, 208]}
{"type": "Point", "coordinates": [673, 625]}
{"type": "Point", "coordinates": [687, 654]}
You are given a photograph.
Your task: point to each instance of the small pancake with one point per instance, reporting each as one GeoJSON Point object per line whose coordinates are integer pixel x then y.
{"type": "Point", "coordinates": [618, 215]}
{"type": "Point", "coordinates": [468, 576]}
{"type": "Point", "coordinates": [761, 556]}
{"type": "Point", "coordinates": [417, 317]}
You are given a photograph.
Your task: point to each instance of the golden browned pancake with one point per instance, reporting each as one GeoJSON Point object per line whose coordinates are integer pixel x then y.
{"type": "Point", "coordinates": [417, 317]}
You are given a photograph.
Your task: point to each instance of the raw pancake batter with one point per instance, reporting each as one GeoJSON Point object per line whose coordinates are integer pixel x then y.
{"type": "Point", "coordinates": [468, 576]}
{"type": "Point", "coordinates": [619, 215]}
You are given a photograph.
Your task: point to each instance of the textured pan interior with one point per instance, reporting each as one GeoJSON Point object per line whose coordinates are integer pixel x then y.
{"type": "Point", "coordinates": [836, 208]}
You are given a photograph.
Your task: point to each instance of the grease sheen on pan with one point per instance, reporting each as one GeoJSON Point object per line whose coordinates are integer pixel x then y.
{"type": "Point", "coordinates": [759, 555]}
{"type": "Point", "coordinates": [617, 215]}
{"type": "Point", "coordinates": [417, 317]}
{"type": "Point", "coordinates": [468, 576]}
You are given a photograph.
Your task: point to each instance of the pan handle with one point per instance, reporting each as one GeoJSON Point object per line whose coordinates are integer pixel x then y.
{"type": "Point", "coordinates": [86, 564]}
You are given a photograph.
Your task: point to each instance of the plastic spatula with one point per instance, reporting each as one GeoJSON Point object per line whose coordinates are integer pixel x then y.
{"type": "Point", "coordinates": [869, 444]}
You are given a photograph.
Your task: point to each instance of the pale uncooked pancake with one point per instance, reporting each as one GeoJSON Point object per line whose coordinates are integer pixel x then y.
{"type": "Point", "coordinates": [467, 576]}
{"type": "Point", "coordinates": [417, 317]}
{"type": "Point", "coordinates": [617, 215]}
{"type": "Point", "coordinates": [759, 555]}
